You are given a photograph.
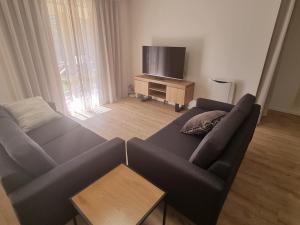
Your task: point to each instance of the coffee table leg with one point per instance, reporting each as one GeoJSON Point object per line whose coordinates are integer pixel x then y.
{"type": "Point", "coordinates": [165, 213]}
{"type": "Point", "coordinates": [74, 220]}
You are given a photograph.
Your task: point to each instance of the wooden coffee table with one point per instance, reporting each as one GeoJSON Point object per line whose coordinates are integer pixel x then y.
{"type": "Point", "coordinates": [121, 197]}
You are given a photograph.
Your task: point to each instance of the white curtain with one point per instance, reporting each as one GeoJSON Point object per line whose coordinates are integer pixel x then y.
{"type": "Point", "coordinates": [86, 37]}
{"type": "Point", "coordinates": [28, 52]}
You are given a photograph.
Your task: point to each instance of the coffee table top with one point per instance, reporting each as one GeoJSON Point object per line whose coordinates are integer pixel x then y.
{"type": "Point", "coordinates": [119, 197]}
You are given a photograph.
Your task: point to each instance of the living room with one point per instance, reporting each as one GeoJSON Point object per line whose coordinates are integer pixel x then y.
{"type": "Point", "coordinates": [149, 112]}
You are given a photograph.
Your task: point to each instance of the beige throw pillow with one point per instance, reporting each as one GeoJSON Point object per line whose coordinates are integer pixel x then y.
{"type": "Point", "coordinates": [202, 123]}
{"type": "Point", "coordinates": [31, 113]}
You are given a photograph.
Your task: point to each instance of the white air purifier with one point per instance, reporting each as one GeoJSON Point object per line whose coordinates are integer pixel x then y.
{"type": "Point", "coordinates": [222, 90]}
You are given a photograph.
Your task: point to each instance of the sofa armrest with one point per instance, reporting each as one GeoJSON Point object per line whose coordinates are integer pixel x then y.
{"type": "Point", "coordinates": [209, 104]}
{"type": "Point", "coordinates": [197, 193]}
{"type": "Point", "coordinates": [46, 200]}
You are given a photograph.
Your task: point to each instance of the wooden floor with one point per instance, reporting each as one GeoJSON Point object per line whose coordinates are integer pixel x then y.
{"type": "Point", "coordinates": [131, 118]}
{"type": "Point", "coordinates": [266, 190]}
{"type": "Point", "coordinates": [7, 216]}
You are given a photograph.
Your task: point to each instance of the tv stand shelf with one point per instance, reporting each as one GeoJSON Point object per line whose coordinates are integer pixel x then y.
{"type": "Point", "coordinates": [157, 89]}
{"type": "Point", "coordinates": [180, 92]}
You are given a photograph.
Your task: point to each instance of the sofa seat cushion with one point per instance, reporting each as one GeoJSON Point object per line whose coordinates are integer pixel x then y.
{"type": "Point", "coordinates": [213, 144]}
{"type": "Point", "coordinates": [171, 139]}
{"type": "Point", "coordinates": [72, 143]}
{"type": "Point", "coordinates": [55, 128]}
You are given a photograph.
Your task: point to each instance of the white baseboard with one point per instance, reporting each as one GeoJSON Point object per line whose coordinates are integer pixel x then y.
{"type": "Point", "coordinates": [290, 111]}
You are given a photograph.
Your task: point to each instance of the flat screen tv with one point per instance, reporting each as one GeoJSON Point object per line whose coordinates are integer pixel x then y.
{"type": "Point", "coordinates": [164, 61]}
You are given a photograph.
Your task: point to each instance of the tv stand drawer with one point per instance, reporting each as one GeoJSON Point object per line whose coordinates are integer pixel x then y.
{"type": "Point", "coordinates": [141, 87]}
{"type": "Point", "coordinates": [175, 95]}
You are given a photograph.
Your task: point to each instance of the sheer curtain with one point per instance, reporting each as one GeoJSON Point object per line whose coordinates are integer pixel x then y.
{"type": "Point", "coordinates": [86, 37]}
{"type": "Point", "coordinates": [27, 51]}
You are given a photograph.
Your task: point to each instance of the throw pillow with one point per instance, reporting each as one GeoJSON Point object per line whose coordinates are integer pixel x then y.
{"type": "Point", "coordinates": [213, 144]}
{"type": "Point", "coordinates": [31, 113]}
{"type": "Point", "coordinates": [202, 123]}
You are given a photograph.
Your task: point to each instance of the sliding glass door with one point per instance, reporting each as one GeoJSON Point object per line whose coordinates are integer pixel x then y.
{"type": "Point", "coordinates": [73, 29]}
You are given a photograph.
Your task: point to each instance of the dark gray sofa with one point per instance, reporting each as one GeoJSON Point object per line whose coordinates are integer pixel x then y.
{"type": "Point", "coordinates": [78, 157]}
{"type": "Point", "coordinates": [197, 192]}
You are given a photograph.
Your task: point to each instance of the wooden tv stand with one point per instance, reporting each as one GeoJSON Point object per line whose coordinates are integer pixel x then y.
{"type": "Point", "coordinates": [180, 92]}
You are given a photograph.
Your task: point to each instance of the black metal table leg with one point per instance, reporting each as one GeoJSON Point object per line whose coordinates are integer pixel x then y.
{"type": "Point", "coordinates": [165, 213]}
{"type": "Point", "coordinates": [74, 220]}
{"type": "Point", "coordinates": [178, 108]}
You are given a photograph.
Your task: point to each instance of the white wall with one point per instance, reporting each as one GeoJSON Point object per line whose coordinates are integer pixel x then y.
{"type": "Point", "coordinates": [266, 82]}
{"type": "Point", "coordinates": [286, 92]}
{"type": "Point", "coordinates": [224, 38]}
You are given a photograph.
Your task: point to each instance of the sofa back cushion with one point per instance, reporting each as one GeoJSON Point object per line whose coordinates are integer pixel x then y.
{"type": "Point", "coordinates": [12, 176]}
{"type": "Point", "coordinates": [228, 163]}
{"type": "Point", "coordinates": [23, 150]}
{"type": "Point", "coordinates": [213, 144]}
{"type": "Point", "coordinates": [4, 113]}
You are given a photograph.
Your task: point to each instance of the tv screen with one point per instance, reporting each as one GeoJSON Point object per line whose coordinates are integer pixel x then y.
{"type": "Point", "coordinates": [164, 61]}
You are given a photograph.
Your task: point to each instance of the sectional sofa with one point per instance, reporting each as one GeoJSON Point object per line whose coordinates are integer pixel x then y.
{"type": "Point", "coordinates": [197, 190]}
{"type": "Point", "coordinates": [39, 191]}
